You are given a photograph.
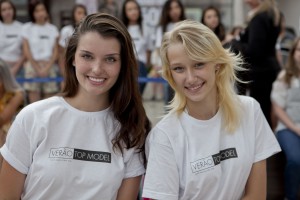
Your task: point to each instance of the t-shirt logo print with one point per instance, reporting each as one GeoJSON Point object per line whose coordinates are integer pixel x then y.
{"type": "Point", "coordinates": [204, 164]}
{"type": "Point", "coordinates": [62, 153]}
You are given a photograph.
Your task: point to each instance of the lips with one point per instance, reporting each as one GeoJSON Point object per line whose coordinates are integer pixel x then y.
{"type": "Point", "coordinates": [96, 80]}
{"type": "Point", "coordinates": [194, 88]}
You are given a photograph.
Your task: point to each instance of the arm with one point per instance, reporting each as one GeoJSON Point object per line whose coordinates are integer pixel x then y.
{"type": "Point", "coordinates": [11, 108]}
{"type": "Point", "coordinates": [256, 186]}
{"type": "Point", "coordinates": [129, 188]}
{"type": "Point", "coordinates": [284, 118]}
{"type": "Point", "coordinates": [18, 65]}
{"type": "Point", "coordinates": [61, 59]}
{"type": "Point", "coordinates": [28, 55]}
{"type": "Point", "coordinates": [11, 182]}
{"type": "Point", "coordinates": [53, 57]}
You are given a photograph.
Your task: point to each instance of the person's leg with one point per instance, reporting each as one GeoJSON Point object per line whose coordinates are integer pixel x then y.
{"type": "Point", "coordinates": [290, 144]}
{"type": "Point", "coordinates": [142, 73]}
{"type": "Point", "coordinates": [50, 88]}
{"type": "Point", "coordinates": [32, 89]}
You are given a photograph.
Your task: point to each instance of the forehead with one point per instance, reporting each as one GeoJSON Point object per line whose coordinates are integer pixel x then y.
{"type": "Point", "coordinates": [95, 41]}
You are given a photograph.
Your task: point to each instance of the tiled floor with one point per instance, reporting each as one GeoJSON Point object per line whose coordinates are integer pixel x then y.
{"type": "Point", "coordinates": [154, 109]}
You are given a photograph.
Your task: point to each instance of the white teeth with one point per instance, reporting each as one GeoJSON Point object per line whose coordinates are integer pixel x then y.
{"type": "Point", "coordinates": [99, 80]}
{"type": "Point", "coordinates": [195, 87]}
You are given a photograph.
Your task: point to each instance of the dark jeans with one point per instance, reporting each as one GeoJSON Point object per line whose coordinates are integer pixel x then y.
{"type": "Point", "coordinates": [142, 73]}
{"type": "Point", "coordinates": [290, 144]}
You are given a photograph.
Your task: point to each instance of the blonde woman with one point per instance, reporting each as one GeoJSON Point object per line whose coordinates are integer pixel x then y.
{"type": "Point", "coordinates": [213, 144]}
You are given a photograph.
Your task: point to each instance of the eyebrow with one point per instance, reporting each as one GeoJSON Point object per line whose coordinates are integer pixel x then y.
{"type": "Point", "coordinates": [175, 64]}
{"type": "Point", "coordinates": [111, 54]}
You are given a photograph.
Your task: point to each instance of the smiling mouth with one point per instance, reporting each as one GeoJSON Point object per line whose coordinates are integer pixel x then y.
{"type": "Point", "coordinates": [96, 80]}
{"type": "Point", "coordinates": [194, 87]}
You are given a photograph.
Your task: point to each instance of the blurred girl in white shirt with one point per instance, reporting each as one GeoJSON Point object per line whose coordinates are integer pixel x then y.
{"type": "Point", "coordinates": [10, 38]}
{"type": "Point", "coordinates": [132, 18]}
{"type": "Point", "coordinates": [40, 39]}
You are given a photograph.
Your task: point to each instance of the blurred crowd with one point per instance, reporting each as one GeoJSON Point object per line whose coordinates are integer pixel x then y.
{"type": "Point", "coordinates": [271, 53]}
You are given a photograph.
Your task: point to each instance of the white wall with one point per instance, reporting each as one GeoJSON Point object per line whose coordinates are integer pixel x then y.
{"type": "Point", "coordinates": [291, 11]}
{"type": "Point", "coordinates": [56, 7]}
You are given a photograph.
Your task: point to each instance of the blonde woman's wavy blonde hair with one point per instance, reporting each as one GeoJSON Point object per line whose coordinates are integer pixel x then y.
{"type": "Point", "coordinates": [202, 45]}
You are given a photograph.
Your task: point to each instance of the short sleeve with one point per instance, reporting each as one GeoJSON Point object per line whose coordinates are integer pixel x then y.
{"type": "Point", "coordinates": [279, 93]}
{"type": "Point", "coordinates": [162, 176]}
{"type": "Point", "coordinates": [133, 163]}
{"type": "Point", "coordinates": [266, 143]}
{"type": "Point", "coordinates": [56, 32]}
{"type": "Point", "coordinates": [16, 150]}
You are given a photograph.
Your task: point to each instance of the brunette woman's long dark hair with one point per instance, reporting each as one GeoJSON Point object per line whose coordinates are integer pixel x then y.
{"type": "Point", "coordinates": [124, 96]}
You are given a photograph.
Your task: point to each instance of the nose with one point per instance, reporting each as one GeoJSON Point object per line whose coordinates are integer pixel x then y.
{"type": "Point", "coordinates": [97, 67]}
{"type": "Point", "coordinates": [190, 75]}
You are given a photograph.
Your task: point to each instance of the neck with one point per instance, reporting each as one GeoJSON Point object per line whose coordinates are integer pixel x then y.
{"type": "Point", "coordinates": [132, 22]}
{"type": "Point", "coordinates": [40, 22]}
{"type": "Point", "coordinates": [88, 103]}
{"type": "Point", "coordinates": [8, 21]}
{"type": "Point", "coordinates": [202, 111]}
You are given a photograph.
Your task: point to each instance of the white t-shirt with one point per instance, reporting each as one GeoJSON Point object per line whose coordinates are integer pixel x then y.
{"type": "Point", "coordinates": [65, 33]}
{"type": "Point", "coordinates": [67, 153]}
{"type": "Point", "coordinates": [41, 39]}
{"type": "Point", "coordinates": [190, 159]}
{"type": "Point", "coordinates": [160, 34]}
{"type": "Point", "coordinates": [141, 41]}
{"type": "Point", "coordinates": [10, 41]}
{"type": "Point", "coordinates": [287, 97]}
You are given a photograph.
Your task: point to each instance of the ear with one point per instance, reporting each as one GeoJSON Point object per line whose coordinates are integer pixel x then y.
{"type": "Point", "coordinates": [217, 67]}
{"type": "Point", "coordinates": [73, 63]}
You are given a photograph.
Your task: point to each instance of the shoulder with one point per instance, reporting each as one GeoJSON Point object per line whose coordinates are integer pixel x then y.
{"type": "Point", "coordinates": [248, 103]}
{"type": "Point", "coordinates": [17, 23]}
{"type": "Point", "coordinates": [165, 130]}
{"type": "Point", "coordinates": [51, 27]}
{"type": "Point", "coordinates": [41, 107]}
{"type": "Point", "coordinates": [27, 25]}
{"type": "Point", "coordinates": [67, 28]}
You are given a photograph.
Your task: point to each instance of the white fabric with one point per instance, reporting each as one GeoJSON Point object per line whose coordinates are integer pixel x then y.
{"type": "Point", "coordinates": [280, 92]}
{"type": "Point", "coordinates": [183, 156]}
{"type": "Point", "coordinates": [65, 33]}
{"type": "Point", "coordinates": [10, 41]}
{"type": "Point", "coordinates": [142, 42]}
{"type": "Point", "coordinates": [47, 140]}
{"type": "Point", "coordinates": [41, 39]}
{"type": "Point", "coordinates": [159, 34]}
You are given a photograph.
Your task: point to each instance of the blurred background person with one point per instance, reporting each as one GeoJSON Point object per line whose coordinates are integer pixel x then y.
{"type": "Point", "coordinates": [11, 99]}
{"type": "Point", "coordinates": [285, 99]}
{"type": "Point", "coordinates": [172, 12]}
{"type": "Point", "coordinates": [257, 44]}
{"type": "Point", "coordinates": [10, 38]}
{"type": "Point", "coordinates": [40, 43]}
{"type": "Point", "coordinates": [78, 12]}
{"type": "Point", "coordinates": [133, 20]}
{"type": "Point", "coordinates": [211, 17]}
{"type": "Point", "coordinates": [109, 7]}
